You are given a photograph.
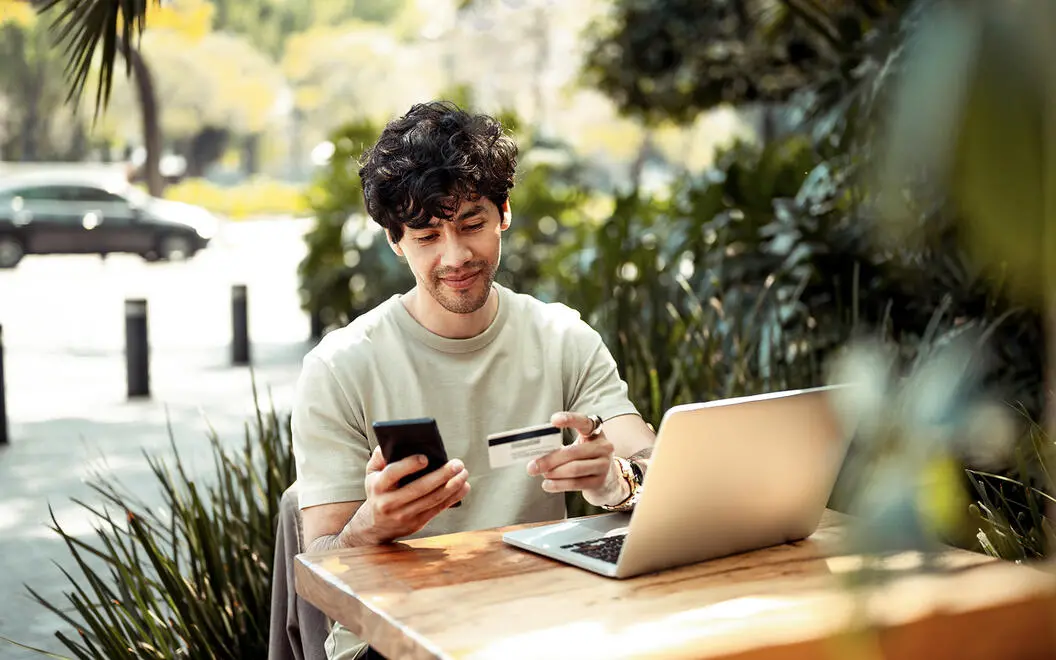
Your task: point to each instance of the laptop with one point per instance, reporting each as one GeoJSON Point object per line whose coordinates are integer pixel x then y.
{"type": "Point", "coordinates": [726, 477]}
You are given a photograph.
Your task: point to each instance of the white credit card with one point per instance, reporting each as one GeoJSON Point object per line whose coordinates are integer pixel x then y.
{"type": "Point", "coordinates": [522, 445]}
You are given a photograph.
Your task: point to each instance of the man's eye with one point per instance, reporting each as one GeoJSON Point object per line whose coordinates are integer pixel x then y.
{"type": "Point", "coordinates": [426, 239]}
{"type": "Point", "coordinates": [475, 226]}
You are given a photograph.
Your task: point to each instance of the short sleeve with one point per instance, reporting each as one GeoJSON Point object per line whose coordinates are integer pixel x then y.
{"type": "Point", "coordinates": [596, 384]}
{"type": "Point", "coordinates": [329, 446]}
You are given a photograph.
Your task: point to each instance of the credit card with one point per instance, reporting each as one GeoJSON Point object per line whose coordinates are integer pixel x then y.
{"type": "Point", "coordinates": [522, 445]}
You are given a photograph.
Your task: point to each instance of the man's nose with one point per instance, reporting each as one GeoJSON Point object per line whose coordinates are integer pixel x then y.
{"type": "Point", "coordinates": [456, 252]}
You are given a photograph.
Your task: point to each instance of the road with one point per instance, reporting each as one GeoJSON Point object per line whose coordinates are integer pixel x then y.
{"type": "Point", "coordinates": [63, 336]}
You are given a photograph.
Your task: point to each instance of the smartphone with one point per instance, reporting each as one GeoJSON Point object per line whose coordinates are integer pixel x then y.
{"type": "Point", "coordinates": [400, 438]}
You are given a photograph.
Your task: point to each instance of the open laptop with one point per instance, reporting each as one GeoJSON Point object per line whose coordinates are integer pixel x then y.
{"type": "Point", "coordinates": [726, 477]}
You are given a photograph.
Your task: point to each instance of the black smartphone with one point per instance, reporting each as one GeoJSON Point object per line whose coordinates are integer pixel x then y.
{"type": "Point", "coordinates": [400, 438]}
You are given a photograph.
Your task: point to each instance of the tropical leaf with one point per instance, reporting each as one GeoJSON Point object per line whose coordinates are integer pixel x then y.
{"type": "Point", "coordinates": [87, 28]}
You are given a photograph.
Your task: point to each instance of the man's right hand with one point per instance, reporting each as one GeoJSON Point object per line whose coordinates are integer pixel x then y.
{"type": "Point", "coordinates": [391, 512]}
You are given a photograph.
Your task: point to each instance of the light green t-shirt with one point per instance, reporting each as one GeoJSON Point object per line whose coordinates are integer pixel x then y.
{"type": "Point", "coordinates": [534, 359]}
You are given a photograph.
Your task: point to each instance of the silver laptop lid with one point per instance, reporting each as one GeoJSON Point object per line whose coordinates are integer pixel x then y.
{"type": "Point", "coordinates": [734, 475]}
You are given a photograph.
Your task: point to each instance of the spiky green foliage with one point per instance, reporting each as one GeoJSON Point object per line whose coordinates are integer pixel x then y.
{"type": "Point", "coordinates": [191, 579]}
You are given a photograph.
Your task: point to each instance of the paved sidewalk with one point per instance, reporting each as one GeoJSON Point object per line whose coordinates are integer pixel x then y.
{"type": "Point", "coordinates": [49, 458]}
{"type": "Point", "coordinates": [67, 408]}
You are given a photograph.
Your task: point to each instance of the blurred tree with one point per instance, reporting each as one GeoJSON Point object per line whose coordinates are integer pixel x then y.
{"type": "Point", "coordinates": [377, 11]}
{"type": "Point", "coordinates": [970, 132]}
{"type": "Point", "coordinates": [149, 111]}
{"type": "Point", "coordinates": [330, 91]}
{"type": "Point", "coordinates": [341, 244]}
{"type": "Point", "coordinates": [31, 84]}
{"type": "Point", "coordinates": [191, 18]}
{"type": "Point", "coordinates": [232, 94]}
{"type": "Point", "coordinates": [244, 86]}
{"type": "Point", "coordinates": [831, 63]}
{"type": "Point", "coordinates": [104, 28]}
{"type": "Point", "coordinates": [269, 23]}
{"type": "Point", "coordinates": [213, 86]}
{"type": "Point", "coordinates": [266, 23]}
{"type": "Point", "coordinates": [672, 59]}
{"type": "Point", "coordinates": [82, 27]}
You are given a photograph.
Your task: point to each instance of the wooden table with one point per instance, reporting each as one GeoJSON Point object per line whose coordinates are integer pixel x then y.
{"type": "Point", "coordinates": [470, 595]}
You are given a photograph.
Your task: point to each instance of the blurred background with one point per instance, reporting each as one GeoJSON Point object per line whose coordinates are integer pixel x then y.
{"type": "Point", "coordinates": [736, 194]}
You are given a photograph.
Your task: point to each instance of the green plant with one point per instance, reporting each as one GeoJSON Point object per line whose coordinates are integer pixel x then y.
{"type": "Point", "coordinates": [192, 580]}
{"type": "Point", "coordinates": [690, 288]}
{"type": "Point", "coordinates": [342, 243]}
{"type": "Point", "coordinates": [1010, 511]}
{"type": "Point", "coordinates": [687, 287]}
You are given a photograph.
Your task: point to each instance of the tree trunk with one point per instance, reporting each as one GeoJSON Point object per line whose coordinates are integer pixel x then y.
{"type": "Point", "coordinates": [148, 106]}
{"type": "Point", "coordinates": [79, 143]}
{"type": "Point", "coordinates": [541, 30]}
{"type": "Point", "coordinates": [251, 154]}
{"type": "Point", "coordinates": [31, 89]}
{"type": "Point", "coordinates": [638, 165]}
{"type": "Point", "coordinates": [205, 148]}
{"type": "Point", "coordinates": [31, 125]}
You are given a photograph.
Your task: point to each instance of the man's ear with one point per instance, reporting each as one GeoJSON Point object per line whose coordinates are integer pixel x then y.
{"type": "Point", "coordinates": [393, 244]}
{"type": "Point", "coordinates": [507, 217]}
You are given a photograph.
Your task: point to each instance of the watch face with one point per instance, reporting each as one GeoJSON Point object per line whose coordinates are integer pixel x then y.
{"type": "Point", "coordinates": [637, 469]}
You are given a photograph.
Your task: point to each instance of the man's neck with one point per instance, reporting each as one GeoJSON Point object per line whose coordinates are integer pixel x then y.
{"type": "Point", "coordinates": [439, 321]}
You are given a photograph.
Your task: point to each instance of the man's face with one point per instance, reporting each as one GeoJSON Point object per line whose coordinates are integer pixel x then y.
{"type": "Point", "coordinates": [455, 260]}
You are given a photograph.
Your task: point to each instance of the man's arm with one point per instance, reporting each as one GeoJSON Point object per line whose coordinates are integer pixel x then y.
{"type": "Point", "coordinates": [322, 524]}
{"type": "Point", "coordinates": [631, 438]}
{"type": "Point", "coordinates": [349, 495]}
{"type": "Point", "coordinates": [588, 464]}
{"type": "Point", "coordinates": [594, 388]}
{"type": "Point", "coordinates": [389, 511]}
{"type": "Point", "coordinates": [330, 447]}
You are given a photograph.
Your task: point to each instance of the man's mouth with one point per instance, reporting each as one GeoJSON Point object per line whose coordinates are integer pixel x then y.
{"type": "Point", "coordinates": [461, 281]}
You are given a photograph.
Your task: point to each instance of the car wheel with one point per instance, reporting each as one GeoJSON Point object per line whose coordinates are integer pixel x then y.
{"type": "Point", "coordinates": [175, 248]}
{"type": "Point", "coordinates": [11, 252]}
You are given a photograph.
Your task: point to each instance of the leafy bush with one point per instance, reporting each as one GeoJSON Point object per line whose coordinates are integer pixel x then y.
{"type": "Point", "coordinates": [1009, 509]}
{"type": "Point", "coordinates": [675, 284]}
{"type": "Point", "coordinates": [192, 580]}
{"type": "Point", "coordinates": [346, 271]}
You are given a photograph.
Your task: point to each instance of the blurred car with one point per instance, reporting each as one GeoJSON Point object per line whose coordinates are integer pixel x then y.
{"type": "Point", "coordinates": [53, 212]}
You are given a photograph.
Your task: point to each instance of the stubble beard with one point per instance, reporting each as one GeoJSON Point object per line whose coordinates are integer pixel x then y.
{"type": "Point", "coordinates": [468, 300]}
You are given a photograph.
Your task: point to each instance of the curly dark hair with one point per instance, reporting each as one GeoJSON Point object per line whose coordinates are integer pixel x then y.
{"type": "Point", "coordinates": [426, 163]}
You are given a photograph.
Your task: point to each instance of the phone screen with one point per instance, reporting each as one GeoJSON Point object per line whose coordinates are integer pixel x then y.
{"type": "Point", "coordinates": [401, 438]}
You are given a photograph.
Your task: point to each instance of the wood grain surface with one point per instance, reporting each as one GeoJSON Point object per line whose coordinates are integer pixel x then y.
{"type": "Point", "coordinates": [470, 595]}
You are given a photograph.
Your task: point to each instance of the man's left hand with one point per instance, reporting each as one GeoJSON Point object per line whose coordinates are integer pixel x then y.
{"type": "Point", "coordinates": [586, 465]}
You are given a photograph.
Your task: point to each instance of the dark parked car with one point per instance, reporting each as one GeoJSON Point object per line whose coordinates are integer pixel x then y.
{"type": "Point", "coordinates": [80, 213]}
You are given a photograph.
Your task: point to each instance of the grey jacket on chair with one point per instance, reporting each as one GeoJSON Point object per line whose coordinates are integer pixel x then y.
{"type": "Point", "coordinates": [298, 630]}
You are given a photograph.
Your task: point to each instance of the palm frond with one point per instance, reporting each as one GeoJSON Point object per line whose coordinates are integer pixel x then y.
{"type": "Point", "coordinates": [85, 28]}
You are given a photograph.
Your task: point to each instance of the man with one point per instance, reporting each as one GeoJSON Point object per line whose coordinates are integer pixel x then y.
{"type": "Point", "coordinates": [462, 349]}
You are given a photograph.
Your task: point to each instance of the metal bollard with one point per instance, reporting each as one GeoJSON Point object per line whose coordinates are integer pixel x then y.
{"type": "Point", "coordinates": [239, 325]}
{"type": "Point", "coordinates": [137, 348]}
{"type": "Point", "coordinates": [3, 399]}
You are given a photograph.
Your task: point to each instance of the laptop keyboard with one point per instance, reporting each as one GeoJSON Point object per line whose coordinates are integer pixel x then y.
{"type": "Point", "coordinates": [606, 548]}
